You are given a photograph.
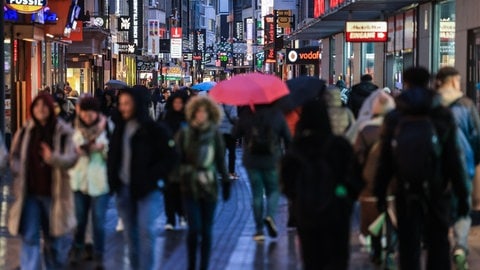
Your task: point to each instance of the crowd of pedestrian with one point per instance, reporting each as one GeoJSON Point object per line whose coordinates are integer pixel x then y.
{"type": "Point", "coordinates": [408, 159]}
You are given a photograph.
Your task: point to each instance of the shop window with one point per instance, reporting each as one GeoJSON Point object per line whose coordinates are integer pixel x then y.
{"type": "Point", "coordinates": [444, 35]}
{"type": "Point", "coordinates": [368, 58]}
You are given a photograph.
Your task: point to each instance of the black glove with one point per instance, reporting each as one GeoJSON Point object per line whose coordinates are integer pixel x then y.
{"type": "Point", "coordinates": [226, 185]}
{"type": "Point", "coordinates": [463, 208]}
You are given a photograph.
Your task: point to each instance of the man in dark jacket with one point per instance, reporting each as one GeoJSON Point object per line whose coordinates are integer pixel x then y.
{"type": "Point", "coordinates": [141, 153]}
{"type": "Point", "coordinates": [423, 212]}
{"type": "Point", "coordinates": [263, 129]}
{"type": "Point", "coordinates": [360, 92]}
{"type": "Point", "coordinates": [468, 123]}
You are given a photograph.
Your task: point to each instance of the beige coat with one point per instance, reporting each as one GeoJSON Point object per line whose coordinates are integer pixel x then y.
{"type": "Point", "coordinates": [62, 219]}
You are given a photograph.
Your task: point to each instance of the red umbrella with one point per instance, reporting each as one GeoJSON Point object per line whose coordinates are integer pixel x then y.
{"type": "Point", "coordinates": [249, 89]}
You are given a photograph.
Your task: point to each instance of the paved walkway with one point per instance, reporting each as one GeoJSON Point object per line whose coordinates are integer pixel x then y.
{"type": "Point", "coordinates": [233, 246]}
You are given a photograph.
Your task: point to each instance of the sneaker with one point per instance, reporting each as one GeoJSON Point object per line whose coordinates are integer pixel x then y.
{"type": "Point", "coordinates": [169, 227]}
{"type": "Point", "coordinates": [460, 259]}
{"type": "Point", "coordinates": [271, 227]}
{"type": "Point", "coordinates": [259, 237]}
{"type": "Point", "coordinates": [183, 222]}
{"type": "Point", "coordinates": [119, 226]}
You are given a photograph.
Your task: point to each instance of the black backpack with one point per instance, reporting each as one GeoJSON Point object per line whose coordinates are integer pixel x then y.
{"type": "Point", "coordinates": [416, 156]}
{"type": "Point", "coordinates": [262, 137]}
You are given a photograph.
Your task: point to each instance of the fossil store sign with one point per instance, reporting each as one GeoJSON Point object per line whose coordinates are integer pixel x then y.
{"type": "Point", "coordinates": [26, 6]}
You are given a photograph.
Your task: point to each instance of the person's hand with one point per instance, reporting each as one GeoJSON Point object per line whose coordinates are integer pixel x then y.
{"type": "Point", "coordinates": [46, 152]}
{"type": "Point", "coordinates": [226, 186]}
{"type": "Point", "coordinates": [97, 147]}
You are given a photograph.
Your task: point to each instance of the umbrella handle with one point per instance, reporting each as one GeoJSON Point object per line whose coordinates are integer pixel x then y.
{"type": "Point", "coordinates": [252, 106]}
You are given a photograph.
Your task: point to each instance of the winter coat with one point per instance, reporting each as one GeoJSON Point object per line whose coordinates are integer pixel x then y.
{"type": "Point", "coordinates": [62, 219]}
{"type": "Point", "coordinates": [153, 153]}
{"type": "Point", "coordinates": [415, 102]}
{"type": "Point", "coordinates": [202, 152]}
{"type": "Point", "coordinates": [319, 176]}
{"type": "Point", "coordinates": [466, 116]}
{"type": "Point", "coordinates": [359, 93]}
{"type": "Point", "coordinates": [341, 118]}
{"type": "Point", "coordinates": [89, 175]}
{"type": "Point", "coordinates": [277, 123]}
{"type": "Point", "coordinates": [229, 119]}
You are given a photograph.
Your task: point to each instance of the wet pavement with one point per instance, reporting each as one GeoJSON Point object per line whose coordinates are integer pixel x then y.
{"type": "Point", "coordinates": [233, 246]}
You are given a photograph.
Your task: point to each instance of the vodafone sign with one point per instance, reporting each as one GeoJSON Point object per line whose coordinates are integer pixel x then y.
{"type": "Point", "coordinates": [366, 31]}
{"type": "Point", "coordinates": [303, 56]}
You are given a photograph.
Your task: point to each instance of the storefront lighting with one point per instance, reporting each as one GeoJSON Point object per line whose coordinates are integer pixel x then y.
{"type": "Point", "coordinates": [7, 41]}
{"type": "Point", "coordinates": [50, 35]}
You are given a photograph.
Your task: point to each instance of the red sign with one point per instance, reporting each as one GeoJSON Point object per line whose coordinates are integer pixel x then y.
{"type": "Point", "coordinates": [197, 57]}
{"type": "Point", "coordinates": [176, 32]}
{"type": "Point", "coordinates": [270, 56]}
{"type": "Point", "coordinates": [318, 8]}
{"type": "Point", "coordinates": [77, 33]}
{"type": "Point", "coordinates": [375, 31]}
{"type": "Point", "coordinates": [336, 3]}
{"type": "Point", "coordinates": [270, 29]}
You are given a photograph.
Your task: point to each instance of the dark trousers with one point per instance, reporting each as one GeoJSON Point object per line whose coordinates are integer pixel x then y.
{"type": "Point", "coordinates": [325, 247]}
{"type": "Point", "coordinates": [173, 202]}
{"type": "Point", "coordinates": [230, 145]}
{"type": "Point", "coordinates": [200, 223]}
{"type": "Point", "coordinates": [418, 221]}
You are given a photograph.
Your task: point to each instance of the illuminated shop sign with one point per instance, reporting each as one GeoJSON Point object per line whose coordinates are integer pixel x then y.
{"type": "Point", "coordinates": [26, 6]}
{"type": "Point", "coordinates": [303, 56]}
{"type": "Point", "coordinates": [375, 31]}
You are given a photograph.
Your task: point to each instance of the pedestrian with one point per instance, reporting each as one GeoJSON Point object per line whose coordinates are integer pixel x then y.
{"type": "Point", "coordinates": [202, 157]}
{"type": "Point", "coordinates": [360, 92]}
{"type": "Point", "coordinates": [344, 91]}
{"type": "Point", "coordinates": [227, 125]}
{"type": "Point", "coordinates": [318, 176]}
{"type": "Point", "coordinates": [264, 130]}
{"type": "Point", "coordinates": [419, 150]}
{"type": "Point", "coordinates": [41, 154]}
{"type": "Point", "coordinates": [468, 122]}
{"type": "Point", "coordinates": [341, 118]}
{"type": "Point", "coordinates": [3, 155]}
{"type": "Point", "coordinates": [141, 152]}
{"type": "Point", "coordinates": [88, 178]}
{"type": "Point", "coordinates": [366, 149]}
{"type": "Point", "coordinates": [365, 114]}
{"type": "Point", "coordinates": [174, 118]}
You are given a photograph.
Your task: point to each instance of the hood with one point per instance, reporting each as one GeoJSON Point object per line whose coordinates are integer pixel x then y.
{"type": "Point", "coordinates": [334, 97]}
{"type": "Point", "coordinates": [141, 97]}
{"type": "Point", "coordinates": [449, 95]}
{"type": "Point", "coordinates": [417, 101]}
{"type": "Point", "coordinates": [179, 94]}
{"type": "Point", "coordinates": [203, 101]}
{"type": "Point", "coordinates": [364, 89]}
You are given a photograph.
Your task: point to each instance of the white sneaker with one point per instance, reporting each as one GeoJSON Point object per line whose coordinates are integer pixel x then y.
{"type": "Point", "coordinates": [119, 227]}
{"type": "Point", "coordinates": [169, 227]}
{"type": "Point", "coordinates": [183, 222]}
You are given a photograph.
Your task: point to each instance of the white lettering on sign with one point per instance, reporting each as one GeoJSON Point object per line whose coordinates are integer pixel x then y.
{"type": "Point", "coordinates": [125, 23]}
{"type": "Point", "coordinates": [27, 2]}
{"type": "Point", "coordinates": [135, 22]}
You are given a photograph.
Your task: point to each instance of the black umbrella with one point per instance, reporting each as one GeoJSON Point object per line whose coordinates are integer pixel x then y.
{"type": "Point", "coordinates": [116, 84]}
{"type": "Point", "coordinates": [302, 89]}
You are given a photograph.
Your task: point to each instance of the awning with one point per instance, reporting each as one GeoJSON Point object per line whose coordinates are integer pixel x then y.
{"type": "Point", "coordinates": [333, 22]}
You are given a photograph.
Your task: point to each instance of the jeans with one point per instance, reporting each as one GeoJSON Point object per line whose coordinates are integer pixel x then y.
{"type": "Point", "coordinates": [35, 218]}
{"type": "Point", "coordinates": [99, 204]}
{"type": "Point", "coordinates": [461, 227]}
{"type": "Point", "coordinates": [264, 182]}
{"type": "Point", "coordinates": [140, 229]}
{"type": "Point", "coordinates": [230, 145]}
{"type": "Point", "coordinates": [200, 223]}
